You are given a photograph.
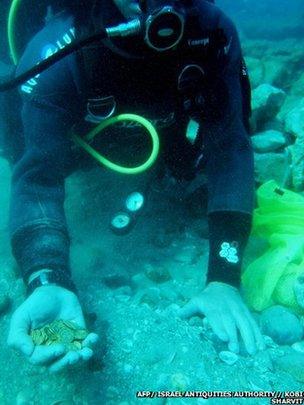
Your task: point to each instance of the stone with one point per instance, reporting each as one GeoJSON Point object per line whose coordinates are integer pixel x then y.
{"type": "Point", "coordinates": [297, 88]}
{"type": "Point", "coordinates": [294, 120]}
{"type": "Point", "coordinates": [275, 71]}
{"type": "Point", "coordinates": [292, 363]}
{"type": "Point", "coordinates": [256, 71]}
{"type": "Point", "coordinates": [268, 141]}
{"type": "Point", "coordinates": [228, 357]}
{"type": "Point", "coordinates": [270, 166]}
{"type": "Point", "coordinates": [266, 103]}
{"type": "Point", "coordinates": [296, 153]}
{"type": "Point", "coordinates": [298, 289]}
{"type": "Point", "coordinates": [282, 325]}
{"type": "Point", "coordinates": [298, 347]}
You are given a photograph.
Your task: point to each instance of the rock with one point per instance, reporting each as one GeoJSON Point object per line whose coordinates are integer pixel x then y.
{"type": "Point", "coordinates": [297, 88]}
{"type": "Point", "coordinates": [298, 289]}
{"type": "Point", "coordinates": [292, 364]}
{"type": "Point", "coordinates": [270, 166]}
{"type": "Point", "coordinates": [275, 71]}
{"type": "Point", "coordinates": [228, 357]}
{"type": "Point", "coordinates": [268, 141]}
{"type": "Point", "coordinates": [299, 347]}
{"type": "Point", "coordinates": [294, 120]}
{"type": "Point", "coordinates": [281, 325]}
{"type": "Point", "coordinates": [269, 341]}
{"type": "Point", "coordinates": [256, 71]}
{"type": "Point", "coordinates": [266, 103]}
{"type": "Point", "coordinates": [297, 164]}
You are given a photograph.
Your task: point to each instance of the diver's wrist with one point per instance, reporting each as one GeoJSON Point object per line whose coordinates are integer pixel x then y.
{"type": "Point", "coordinates": [45, 277]}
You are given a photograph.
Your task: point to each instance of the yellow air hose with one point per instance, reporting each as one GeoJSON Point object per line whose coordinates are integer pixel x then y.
{"type": "Point", "coordinates": [83, 142]}
{"type": "Point", "coordinates": [11, 33]}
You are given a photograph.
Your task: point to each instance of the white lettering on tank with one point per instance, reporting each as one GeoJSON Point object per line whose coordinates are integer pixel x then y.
{"type": "Point", "coordinates": [26, 89]}
{"type": "Point", "coordinates": [46, 53]}
{"type": "Point", "coordinates": [67, 39]}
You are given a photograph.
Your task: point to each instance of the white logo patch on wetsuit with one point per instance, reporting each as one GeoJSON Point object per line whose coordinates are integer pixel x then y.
{"type": "Point", "coordinates": [229, 252]}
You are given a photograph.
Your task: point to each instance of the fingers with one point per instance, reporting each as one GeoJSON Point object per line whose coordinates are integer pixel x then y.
{"type": "Point", "coordinates": [246, 331]}
{"type": "Point", "coordinates": [218, 329]}
{"type": "Point", "coordinates": [257, 334]}
{"type": "Point", "coordinates": [230, 328]}
{"type": "Point", "coordinates": [190, 309]}
{"type": "Point", "coordinates": [71, 358]}
{"type": "Point", "coordinates": [18, 337]}
{"type": "Point", "coordinates": [44, 355]}
{"type": "Point", "coordinates": [90, 340]}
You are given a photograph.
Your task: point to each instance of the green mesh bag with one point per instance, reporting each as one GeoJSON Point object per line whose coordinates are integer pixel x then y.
{"type": "Point", "coordinates": [279, 219]}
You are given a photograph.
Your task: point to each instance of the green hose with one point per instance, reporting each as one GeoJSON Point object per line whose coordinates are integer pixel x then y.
{"type": "Point", "coordinates": [104, 124]}
{"type": "Point", "coordinates": [113, 166]}
{"type": "Point", "coordinates": [11, 24]}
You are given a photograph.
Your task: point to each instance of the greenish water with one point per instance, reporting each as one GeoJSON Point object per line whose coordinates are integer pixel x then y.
{"type": "Point", "coordinates": [132, 286]}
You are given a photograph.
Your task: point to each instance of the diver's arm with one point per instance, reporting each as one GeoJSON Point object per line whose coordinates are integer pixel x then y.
{"type": "Point", "coordinates": [230, 172]}
{"type": "Point", "coordinates": [39, 234]}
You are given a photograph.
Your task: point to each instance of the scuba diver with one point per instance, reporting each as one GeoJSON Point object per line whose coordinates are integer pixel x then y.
{"type": "Point", "coordinates": [181, 62]}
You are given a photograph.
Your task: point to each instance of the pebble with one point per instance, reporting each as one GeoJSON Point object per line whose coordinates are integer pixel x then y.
{"type": "Point", "coordinates": [269, 342]}
{"type": "Point", "coordinates": [298, 346]}
{"type": "Point", "coordinates": [228, 357]}
{"type": "Point", "coordinates": [268, 141]}
{"type": "Point", "coordinates": [282, 325]}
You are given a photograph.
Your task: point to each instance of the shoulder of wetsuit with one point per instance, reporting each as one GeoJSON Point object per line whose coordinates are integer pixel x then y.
{"type": "Point", "coordinates": [56, 34]}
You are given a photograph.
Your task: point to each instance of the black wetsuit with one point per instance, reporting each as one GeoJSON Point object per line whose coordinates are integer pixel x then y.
{"type": "Point", "coordinates": [57, 99]}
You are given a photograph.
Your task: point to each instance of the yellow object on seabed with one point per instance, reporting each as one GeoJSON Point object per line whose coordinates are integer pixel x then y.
{"type": "Point", "coordinates": [277, 277]}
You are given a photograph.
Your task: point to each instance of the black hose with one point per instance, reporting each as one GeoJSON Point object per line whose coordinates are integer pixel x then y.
{"type": "Point", "coordinates": [46, 63]}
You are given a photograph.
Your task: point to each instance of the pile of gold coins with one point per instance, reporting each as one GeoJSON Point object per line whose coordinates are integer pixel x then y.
{"type": "Point", "coordinates": [59, 331]}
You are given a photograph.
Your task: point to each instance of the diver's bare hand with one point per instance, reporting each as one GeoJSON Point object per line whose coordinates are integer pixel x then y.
{"type": "Point", "coordinates": [44, 305]}
{"type": "Point", "coordinates": [227, 315]}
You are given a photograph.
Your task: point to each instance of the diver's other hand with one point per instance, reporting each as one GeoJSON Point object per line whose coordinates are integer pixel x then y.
{"type": "Point", "coordinates": [227, 315]}
{"type": "Point", "coordinates": [44, 305]}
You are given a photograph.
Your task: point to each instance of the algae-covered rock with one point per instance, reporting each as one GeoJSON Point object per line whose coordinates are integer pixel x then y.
{"type": "Point", "coordinates": [294, 120]}
{"type": "Point", "coordinates": [256, 71]}
{"type": "Point", "coordinates": [283, 326]}
{"type": "Point", "coordinates": [266, 103]}
{"type": "Point", "coordinates": [297, 163]}
{"type": "Point", "coordinates": [268, 141]}
{"type": "Point", "coordinates": [270, 166]}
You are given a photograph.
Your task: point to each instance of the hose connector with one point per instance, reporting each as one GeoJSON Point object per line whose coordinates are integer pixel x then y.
{"type": "Point", "coordinates": [125, 29]}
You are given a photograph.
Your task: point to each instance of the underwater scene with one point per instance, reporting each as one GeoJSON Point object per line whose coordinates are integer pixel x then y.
{"type": "Point", "coordinates": [152, 202]}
